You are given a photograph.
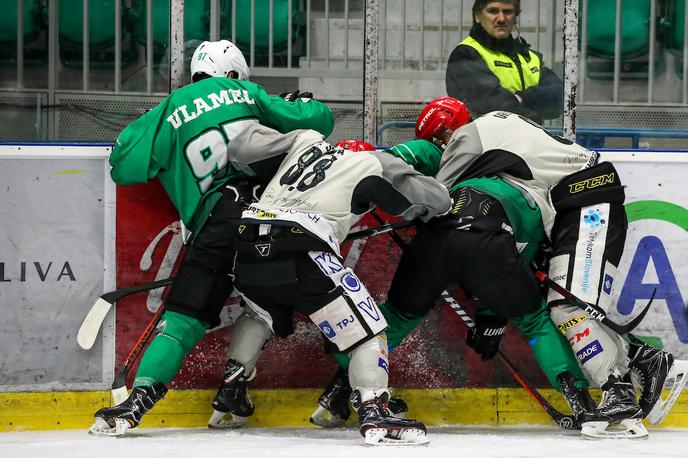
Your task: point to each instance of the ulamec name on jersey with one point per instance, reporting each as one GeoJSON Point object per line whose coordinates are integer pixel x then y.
{"type": "Point", "coordinates": [181, 115]}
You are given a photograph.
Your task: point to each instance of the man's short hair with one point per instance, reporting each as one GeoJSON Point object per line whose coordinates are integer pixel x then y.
{"type": "Point", "coordinates": [480, 4]}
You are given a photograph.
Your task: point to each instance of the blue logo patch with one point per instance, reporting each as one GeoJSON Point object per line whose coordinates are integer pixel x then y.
{"type": "Point", "coordinates": [590, 350]}
{"type": "Point", "coordinates": [593, 219]}
{"type": "Point", "coordinates": [383, 364]}
{"type": "Point", "coordinates": [607, 284]}
{"type": "Point", "coordinates": [327, 329]}
{"type": "Point", "coordinates": [351, 283]}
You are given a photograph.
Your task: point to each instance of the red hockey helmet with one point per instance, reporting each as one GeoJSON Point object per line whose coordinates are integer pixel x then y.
{"type": "Point", "coordinates": [440, 114]}
{"type": "Point", "coordinates": [356, 145]}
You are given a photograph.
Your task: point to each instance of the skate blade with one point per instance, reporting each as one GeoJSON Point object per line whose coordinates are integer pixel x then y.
{"type": "Point", "coordinates": [225, 420]}
{"type": "Point", "coordinates": [325, 419]}
{"type": "Point", "coordinates": [384, 437]}
{"type": "Point", "coordinates": [625, 429]}
{"type": "Point", "coordinates": [101, 428]}
{"type": "Point", "coordinates": [675, 381]}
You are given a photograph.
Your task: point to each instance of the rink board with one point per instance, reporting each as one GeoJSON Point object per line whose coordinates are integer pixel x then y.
{"type": "Point", "coordinates": [292, 408]}
{"type": "Point", "coordinates": [433, 359]}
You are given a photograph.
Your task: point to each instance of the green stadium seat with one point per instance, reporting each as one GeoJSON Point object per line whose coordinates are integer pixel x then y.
{"type": "Point", "coordinates": [676, 12]}
{"type": "Point", "coordinates": [635, 39]}
{"type": "Point", "coordinates": [280, 24]}
{"type": "Point", "coordinates": [280, 27]}
{"type": "Point", "coordinates": [674, 27]}
{"type": "Point", "coordinates": [195, 22]}
{"type": "Point", "coordinates": [32, 22]}
{"type": "Point", "coordinates": [101, 33]}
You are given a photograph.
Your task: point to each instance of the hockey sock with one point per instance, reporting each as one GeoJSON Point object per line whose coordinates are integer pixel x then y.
{"type": "Point", "coordinates": [176, 336]}
{"type": "Point", "coordinates": [552, 351]}
{"type": "Point", "coordinates": [399, 326]}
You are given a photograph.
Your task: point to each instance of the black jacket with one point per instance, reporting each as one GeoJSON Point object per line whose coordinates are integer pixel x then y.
{"type": "Point", "coordinates": [469, 79]}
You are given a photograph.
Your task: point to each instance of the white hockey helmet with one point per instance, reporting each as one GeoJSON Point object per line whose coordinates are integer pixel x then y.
{"type": "Point", "coordinates": [218, 58]}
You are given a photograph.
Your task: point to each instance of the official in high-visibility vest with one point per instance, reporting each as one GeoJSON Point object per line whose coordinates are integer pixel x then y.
{"type": "Point", "coordinates": [491, 70]}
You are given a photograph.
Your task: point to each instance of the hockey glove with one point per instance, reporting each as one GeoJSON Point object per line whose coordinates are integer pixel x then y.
{"type": "Point", "coordinates": [292, 96]}
{"type": "Point", "coordinates": [484, 338]}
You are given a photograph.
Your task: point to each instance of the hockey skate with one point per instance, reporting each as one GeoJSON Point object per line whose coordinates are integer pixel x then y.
{"type": "Point", "coordinates": [333, 409]}
{"type": "Point", "coordinates": [653, 370]}
{"type": "Point", "coordinates": [115, 421]}
{"type": "Point", "coordinates": [379, 427]}
{"type": "Point", "coordinates": [578, 399]}
{"type": "Point", "coordinates": [232, 405]}
{"type": "Point", "coordinates": [617, 408]}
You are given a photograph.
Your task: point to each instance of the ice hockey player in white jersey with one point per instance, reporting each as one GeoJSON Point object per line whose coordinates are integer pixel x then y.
{"type": "Point", "coordinates": [288, 258]}
{"type": "Point", "coordinates": [585, 221]}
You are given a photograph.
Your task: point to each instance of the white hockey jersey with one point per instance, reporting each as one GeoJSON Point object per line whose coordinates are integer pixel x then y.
{"type": "Point", "coordinates": [518, 150]}
{"type": "Point", "coordinates": [325, 190]}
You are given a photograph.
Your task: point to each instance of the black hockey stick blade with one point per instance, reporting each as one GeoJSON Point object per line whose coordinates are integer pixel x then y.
{"type": "Point", "coordinates": [593, 310]}
{"type": "Point", "coordinates": [114, 296]}
{"type": "Point", "coordinates": [564, 421]}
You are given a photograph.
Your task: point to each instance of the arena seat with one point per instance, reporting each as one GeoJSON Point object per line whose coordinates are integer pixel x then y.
{"type": "Point", "coordinates": [33, 17]}
{"type": "Point", "coordinates": [101, 33]}
{"type": "Point", "coordinates": [280, 25]}
{"type": "Point", "coordinates": [195, 23]}
{"type": "Point", "coordinates": [675, 25]}
{"type": "Point", "coordinates": [676, 11]}
{"type": "Point", "coordinates": [635, 39]}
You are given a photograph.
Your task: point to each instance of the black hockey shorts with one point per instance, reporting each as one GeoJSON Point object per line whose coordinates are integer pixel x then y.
{"type": "Point", "coordinates": [480, 257]}
{"type": "Point", "coordinates": [589, 233]}
{"type": "Point", "coordinates": [283, 278]}
{"type": "Point", "coordinates": [204, 280]}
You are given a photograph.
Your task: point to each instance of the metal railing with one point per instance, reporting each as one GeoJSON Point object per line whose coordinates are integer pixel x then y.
{"type": "Point", "coordinates": [317, 42]}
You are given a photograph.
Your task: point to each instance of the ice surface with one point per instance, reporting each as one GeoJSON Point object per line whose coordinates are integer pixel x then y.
{"type": "Point", "coordinates": [498, 442]}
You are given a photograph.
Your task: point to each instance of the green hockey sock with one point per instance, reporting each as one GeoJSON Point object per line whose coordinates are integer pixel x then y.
{"type": "Point", "coordinates": [551, 349]}
{"type": "Point", "coordinates": [399, 324]}
{"type": "Point", "coordinates": [176, 336]}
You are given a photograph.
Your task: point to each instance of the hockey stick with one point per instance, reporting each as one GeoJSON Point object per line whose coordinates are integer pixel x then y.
{"type": "Point", "coordinates": [593, 310]}
{"type": "Point", "coordinates": [93, 321]}
{"type": "Point", "coordinates": [119, 385]}
{"type": "Point", "coordinates": [564, 421]}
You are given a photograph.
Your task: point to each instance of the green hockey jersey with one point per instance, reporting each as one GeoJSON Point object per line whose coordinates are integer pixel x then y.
{"type": "Point", "coordinates": [525, 217]}
{"type": "Point", "coordinates": [199, 138]}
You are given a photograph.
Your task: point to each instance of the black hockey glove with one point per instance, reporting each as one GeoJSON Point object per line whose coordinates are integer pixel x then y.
{"type": "Point", "coordinates": [484, 338]}
{"type": "Point", "coordinates": [292, 96]}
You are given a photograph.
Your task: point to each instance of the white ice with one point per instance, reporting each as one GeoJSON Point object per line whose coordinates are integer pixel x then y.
{"type": "Point", "coordinates": [497, 442]}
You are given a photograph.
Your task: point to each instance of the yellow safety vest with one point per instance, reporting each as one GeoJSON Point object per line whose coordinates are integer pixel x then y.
{"type": "Point", "coordinates": [504, 68]}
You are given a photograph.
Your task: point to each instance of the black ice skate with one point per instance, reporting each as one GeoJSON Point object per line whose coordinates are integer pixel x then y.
{"type": "Point", "coordinates": [579, 399]}
{"type": "Point", "coordinates": [617, 407]}
{"type": "Point", "coordinates": [115, 421]}
{"type": "Point", "coordinates": [232, 405]}
{"type": "Point", "coordinates": [334, 410]}
{"type": "Point", "coordinates": [652, 370]}
{"type": "Point", "coordinates": [379, 427]}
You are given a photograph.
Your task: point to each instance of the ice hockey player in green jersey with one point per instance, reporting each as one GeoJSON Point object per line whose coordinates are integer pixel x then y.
{"type": "Point", "coordinates": [211, 144]}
